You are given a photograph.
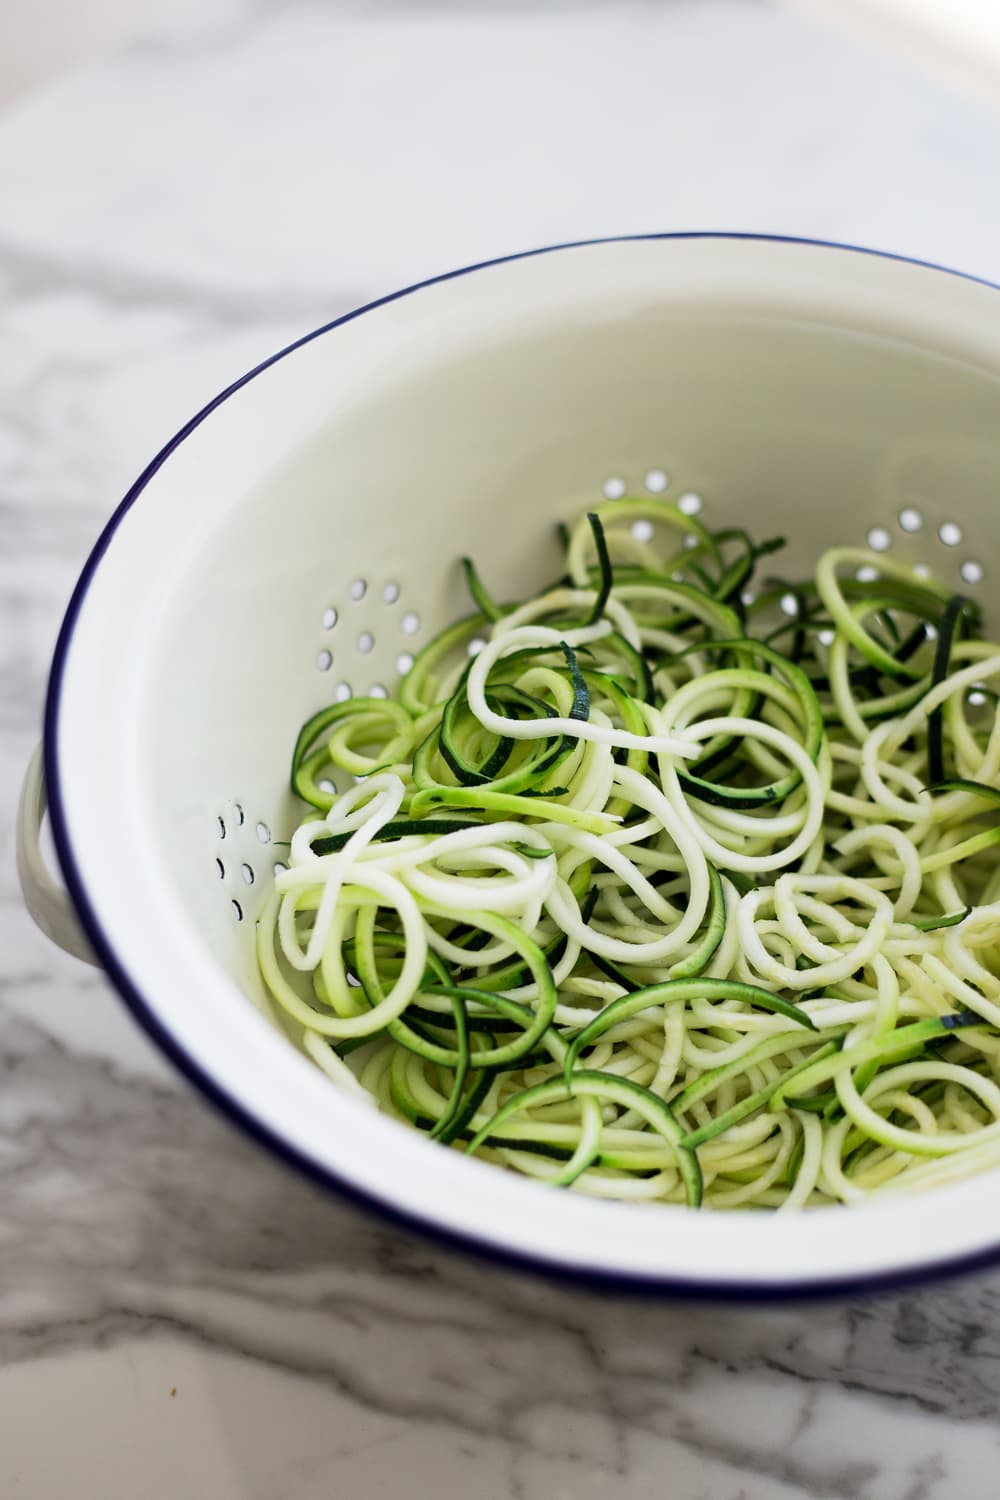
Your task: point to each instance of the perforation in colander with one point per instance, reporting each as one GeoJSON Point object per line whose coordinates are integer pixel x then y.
{"type": "Point", "coordinates": [368, 613]}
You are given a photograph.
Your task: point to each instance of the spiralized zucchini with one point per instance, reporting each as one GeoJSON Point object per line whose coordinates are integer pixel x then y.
{"type": "Point", "coordinates": [666, 883]}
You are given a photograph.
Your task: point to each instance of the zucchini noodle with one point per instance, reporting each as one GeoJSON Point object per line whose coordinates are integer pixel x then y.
{"type": "Point", "coordinates": [670, 883]}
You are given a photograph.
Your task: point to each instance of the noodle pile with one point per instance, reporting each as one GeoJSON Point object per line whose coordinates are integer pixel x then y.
{"type": "Point", "coordinates": [666, 883]}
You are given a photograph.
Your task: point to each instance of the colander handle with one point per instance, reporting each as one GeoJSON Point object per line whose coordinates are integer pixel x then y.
{"type": "Point", "coordinates": [47, 902]}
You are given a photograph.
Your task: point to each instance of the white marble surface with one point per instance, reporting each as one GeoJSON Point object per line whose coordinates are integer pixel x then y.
{"type": "Point", "coordinates": [178, 1315]}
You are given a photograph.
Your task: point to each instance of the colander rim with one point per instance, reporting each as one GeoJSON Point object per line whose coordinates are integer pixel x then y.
{"type": "Point", "coordinates": [234, 1108]}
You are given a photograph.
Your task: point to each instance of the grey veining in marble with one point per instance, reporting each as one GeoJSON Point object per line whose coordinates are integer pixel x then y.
{"type": "Point", "coordinates": [133, 1215]}
{"type": "Point", "coordinates": [199, 1321]}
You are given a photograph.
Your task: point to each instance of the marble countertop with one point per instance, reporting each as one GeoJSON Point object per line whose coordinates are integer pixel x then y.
{"type": "Point", "coordinates": [180, 1316]}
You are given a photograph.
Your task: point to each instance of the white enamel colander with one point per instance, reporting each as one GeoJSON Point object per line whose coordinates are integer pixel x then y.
{"type": "Point", "coordinates": [298, 541]}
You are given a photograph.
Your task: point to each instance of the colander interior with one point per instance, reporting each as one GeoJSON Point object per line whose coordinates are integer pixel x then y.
{"type": "Point", "coordinates": [302, 543]}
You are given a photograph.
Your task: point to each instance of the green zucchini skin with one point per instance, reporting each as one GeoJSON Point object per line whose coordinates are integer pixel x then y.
{"type": "Point", "coordinates": [556, 926]}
